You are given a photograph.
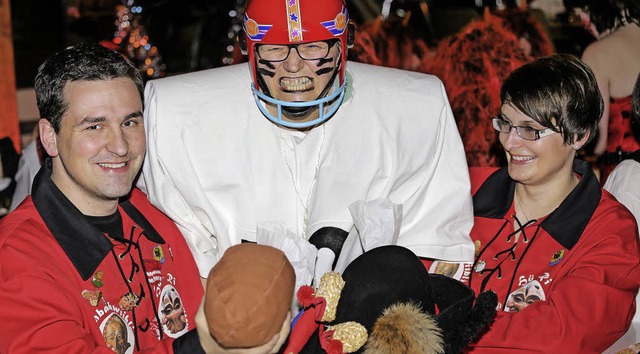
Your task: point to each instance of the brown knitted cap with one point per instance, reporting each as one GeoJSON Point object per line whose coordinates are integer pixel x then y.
{"type": "Point", "coordinates": [249, 292]}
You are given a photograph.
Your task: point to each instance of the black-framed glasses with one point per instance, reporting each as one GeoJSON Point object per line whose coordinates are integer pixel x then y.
{"type": "Point", "coordinates": [306, 51]}
{"type": "Point", "coordinates": [525, 132]}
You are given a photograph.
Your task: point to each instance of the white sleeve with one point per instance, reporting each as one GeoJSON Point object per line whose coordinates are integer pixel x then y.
{"type": "Point", "coordinates": [28, 167]}
{"type": "Point", "coordinates": [438, 215]}
{"type": "Point", "coordinates": [163, 193]}
{"type": "Point", "coordinates": [623, 184]}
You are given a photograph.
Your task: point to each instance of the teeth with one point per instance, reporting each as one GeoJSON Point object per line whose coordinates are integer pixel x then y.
{"type": "Point", "coordinates": [112, 165]}
{"type": "Point", "coordinates": [522, 158]}
{"type": "Point", "coordinates": [296, 84]}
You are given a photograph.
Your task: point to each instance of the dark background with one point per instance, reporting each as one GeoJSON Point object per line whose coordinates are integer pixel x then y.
{"type": "Point", "coordinates": [195, 34]}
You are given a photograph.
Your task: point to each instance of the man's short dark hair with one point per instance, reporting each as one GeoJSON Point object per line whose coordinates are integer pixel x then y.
{"type": "Point", "coordinates": [83, 62]}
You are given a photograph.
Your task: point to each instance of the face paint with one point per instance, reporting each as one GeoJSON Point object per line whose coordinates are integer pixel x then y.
{"type": "Point", "coordinates": [327, 70]}
{"type": "Point", "coordinates": [298, 80]}
{"type": "Point", "coordinates": [268, 64]}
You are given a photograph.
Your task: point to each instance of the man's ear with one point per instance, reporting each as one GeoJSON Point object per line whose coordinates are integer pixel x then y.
{"type": "Point", "coordinates": [48, 137]}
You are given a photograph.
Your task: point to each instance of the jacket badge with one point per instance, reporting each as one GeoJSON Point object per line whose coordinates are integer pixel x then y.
{"type": "Point", "coordinates": [97, 279]}
{"type": "Point", "coordinates": [93, 296]}
{"type": "Point", "coordinates": [556, 258]}
{"type": "Point", "coordinates": [129, 301]}
{"type": "Point", "coordinates": [158, 254]}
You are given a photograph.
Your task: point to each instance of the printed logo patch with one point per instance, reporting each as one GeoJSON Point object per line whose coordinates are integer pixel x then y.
{"type": "Point", "coordinates": [255, 31]}
{"type": "Point", "coordinates": [117, 335]}
{"type": "Point", "coordinates": [173, 317]}
{"type": "Point", "coordinates": [158, 254]}
{"type": "Point", "coordinates": [338, 25]}
{"type": "Point", "coordinates": [556, 258]}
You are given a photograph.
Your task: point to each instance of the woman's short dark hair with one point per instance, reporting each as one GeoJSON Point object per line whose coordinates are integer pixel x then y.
{"type": "Point", "coordinates": [83, 62]}
{"type": "Point", "coordinates": [635, 109]}
{"type": "Point", "coordinates": [559, 92]}
{"type": "Point", "coordinates": [608, 15]}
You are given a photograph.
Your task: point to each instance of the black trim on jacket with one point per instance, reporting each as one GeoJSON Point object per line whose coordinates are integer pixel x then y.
{"type": "Point", "coordinates": [565, 224]}
{"type": "Point", "coordinates": [85, 245]}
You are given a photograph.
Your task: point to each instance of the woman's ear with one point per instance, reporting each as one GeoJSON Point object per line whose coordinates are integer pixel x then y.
{"type": "Point", "coordinates": [580, 143]}
{"type": "Point", "coordinates": [48, 137]}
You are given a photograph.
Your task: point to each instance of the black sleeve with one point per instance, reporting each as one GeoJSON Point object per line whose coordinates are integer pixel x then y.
{"type": "Point", "coordinates": [188, 343]}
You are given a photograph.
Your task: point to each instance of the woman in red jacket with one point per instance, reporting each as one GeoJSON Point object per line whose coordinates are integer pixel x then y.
{"type": "Point", "coordinates": [561, 253]}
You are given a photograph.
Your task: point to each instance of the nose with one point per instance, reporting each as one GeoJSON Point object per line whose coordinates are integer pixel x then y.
{"type": "Point", "coordinates": [511, 139]}
{"type": "Point", "coordinates": [294, 62]}
{"type": "Point", "coordinates": [117, 143]}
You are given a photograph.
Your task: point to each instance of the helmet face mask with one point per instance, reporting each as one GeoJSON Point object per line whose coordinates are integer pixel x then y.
{"type": "Point", "coordinates": [285, 32]}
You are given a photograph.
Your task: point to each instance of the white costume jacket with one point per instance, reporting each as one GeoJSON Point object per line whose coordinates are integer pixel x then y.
{"type": "Point", "coordinates": [220, 169]}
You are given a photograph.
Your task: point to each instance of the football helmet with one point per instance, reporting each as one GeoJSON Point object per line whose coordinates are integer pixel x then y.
{"type": "Point", "coordinates": [291, 22]}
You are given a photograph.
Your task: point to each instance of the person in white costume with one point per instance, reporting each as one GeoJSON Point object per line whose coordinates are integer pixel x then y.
{"type": "Point", "coordinates": [296, 138]}
{"type": "Point", "coordinates": [623, 184]}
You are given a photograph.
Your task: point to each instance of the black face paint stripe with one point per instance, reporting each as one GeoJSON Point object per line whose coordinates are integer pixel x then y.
{"type": "Point", "coordinates": [324, 61]}
{"type": "Point", "coordinates": [267, 64]}
{"type": "Point", "coordinates": [323, 71]}
{"type": "Point", "coordinates": [266, 72]}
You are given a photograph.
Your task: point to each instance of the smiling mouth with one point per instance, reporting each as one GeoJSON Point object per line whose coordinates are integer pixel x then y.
{"type": "Point", "coordinates": [112, 165]}
{"type": "Point", "coordinates": [522, 158]}
{"type": "Point", "coordinates": [296, 84]}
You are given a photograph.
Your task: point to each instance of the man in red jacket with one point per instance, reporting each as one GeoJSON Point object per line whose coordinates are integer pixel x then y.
{"type": "Point", "coordinates": [85, 261]}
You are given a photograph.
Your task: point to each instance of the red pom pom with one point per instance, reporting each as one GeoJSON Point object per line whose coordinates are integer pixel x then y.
{"type": "Point", "coordinates": [334, 347]}
{"type": "Point", "coordinates": [306, 294]}
{"type": "Point", "coordinates": [330, 345]}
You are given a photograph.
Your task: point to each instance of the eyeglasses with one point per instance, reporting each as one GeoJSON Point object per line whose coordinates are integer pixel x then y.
{"type": "Point", "coordinates": [306, 51]}
{"type": "Point", "coordinates": [525, 132]}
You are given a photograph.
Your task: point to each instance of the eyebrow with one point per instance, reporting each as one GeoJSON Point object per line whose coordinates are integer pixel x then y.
{"type": "Point", "coordinates": [527, 121]}
{"type": "Point", "coordinates": [91, 120]}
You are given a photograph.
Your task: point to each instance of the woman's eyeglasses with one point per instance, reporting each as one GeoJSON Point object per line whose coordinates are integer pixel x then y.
{"type": "Point", "coordinates": [525, 132]}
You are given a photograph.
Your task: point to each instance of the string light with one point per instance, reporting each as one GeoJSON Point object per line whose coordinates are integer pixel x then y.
{"type": "Point", "coordinates": [132, 38]}
{"type": "Point", "coordinates": [232, 33]}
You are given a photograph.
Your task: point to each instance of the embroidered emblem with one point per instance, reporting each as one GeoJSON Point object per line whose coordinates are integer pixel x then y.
{"type": "Point", "coordinates": [151, 265]}
{"type": "Point", "coordinates": [556, 258]}
{"type": "Point", "coordinates": [158, 254]}
{"type": "Point", "coordinates": [477, 246]}
{"type": "Point", "coordinates": [129, 301]}
{"type": "Point", "coordinates": [97, 279]}
{"type": "Point", "coordinates": [338, 25]}
{"type": "Point", "coordinates": [253, 30]}
{"type": "Point", "coordinates": [480, 266]}
{"type": "Point", "coordinates": [93, 296]}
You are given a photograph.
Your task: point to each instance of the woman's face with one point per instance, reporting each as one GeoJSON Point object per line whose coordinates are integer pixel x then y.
{"type": "Point", "coordinates": [538, 162]}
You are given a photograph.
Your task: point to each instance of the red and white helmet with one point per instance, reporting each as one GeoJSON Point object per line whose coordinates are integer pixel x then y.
{"type": "Point", "coordinates": [293, 22]}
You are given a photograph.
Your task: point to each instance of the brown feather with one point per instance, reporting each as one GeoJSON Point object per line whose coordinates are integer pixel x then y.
{"type": "Point", "coordinates": [403, 328]}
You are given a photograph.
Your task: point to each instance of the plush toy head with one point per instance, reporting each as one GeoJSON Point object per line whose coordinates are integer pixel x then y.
{"type": "Point", "coordinates": [403, 308]}
{"type": "Point", "coordinates": [249, 293]}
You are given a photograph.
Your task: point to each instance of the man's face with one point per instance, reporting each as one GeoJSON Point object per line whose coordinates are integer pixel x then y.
{"type": "Point", "coordinates": [173, 312]}
{"type": "Point", "coordinates": [101, 143]}
{"type": "Point", "coordinates": [298, 80]}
